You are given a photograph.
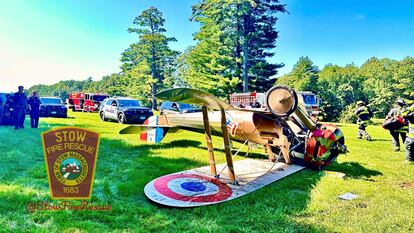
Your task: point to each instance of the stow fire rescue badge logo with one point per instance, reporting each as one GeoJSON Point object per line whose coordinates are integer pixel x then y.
{"type": "Point", "coordinates": [70, 154]}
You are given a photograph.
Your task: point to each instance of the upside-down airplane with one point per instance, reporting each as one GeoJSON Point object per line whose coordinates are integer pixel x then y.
{"type": "Point", "coordinates": [284, 128]}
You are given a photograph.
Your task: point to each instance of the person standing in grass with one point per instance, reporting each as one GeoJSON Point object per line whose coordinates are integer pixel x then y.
{"type": "Point", "coordinates": [409, 141]}
{"type": "Point", "coordinates": [363, 114]}
{"type": "Point", "coordinates": [19, 108]}
{"type": "Point", "coordinates": [34, 107]}
{"type": "Point", "coordinates": [396, 111]}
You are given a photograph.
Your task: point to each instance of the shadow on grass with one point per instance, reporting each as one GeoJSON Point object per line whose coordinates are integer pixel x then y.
{"type": "Point", "coordinates": [380, 140]}
{"type": "Point", "coordinates": [242, 152]}
{"type": "Point", "coordinates": [354, 170]}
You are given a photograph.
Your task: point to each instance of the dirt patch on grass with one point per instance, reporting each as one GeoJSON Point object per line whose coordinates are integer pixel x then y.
{"type": "Point", "coordinates": [406, 185]}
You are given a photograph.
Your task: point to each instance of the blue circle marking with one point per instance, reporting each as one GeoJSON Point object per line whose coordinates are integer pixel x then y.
{"type": "Point", "coordinates": [193, 186]}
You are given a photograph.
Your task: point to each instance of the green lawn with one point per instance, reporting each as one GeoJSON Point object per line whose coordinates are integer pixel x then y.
{"type": "Point", "coordinates": [303, 202]}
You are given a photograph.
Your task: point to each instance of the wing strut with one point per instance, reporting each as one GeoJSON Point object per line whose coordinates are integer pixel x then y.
{"type": "Point", "coordinates": [209, 142]}
{"type": "Point", "coordinates": [206, 100]}
{"type": "Point", "coordinates": [227, 149]}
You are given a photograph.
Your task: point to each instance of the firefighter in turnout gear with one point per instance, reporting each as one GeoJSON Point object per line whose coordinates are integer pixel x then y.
{"type": "Point", "coordinates": [397, 111]}
{"type": "Point", "coordinates": [408, 114]}
{"type": "Point", "coordinates": [363, 113]}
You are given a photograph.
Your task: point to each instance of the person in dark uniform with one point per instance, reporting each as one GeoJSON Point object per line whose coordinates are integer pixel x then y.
{"type": "Point", "coordinates": [408, 114]}
{"type": "Point", "coordinates": [19, 108]}
{"type": "Point", "coordinates": [257, 105]}
{"type": "Point", "coordinates": [8, 110]}
{"type": "Point", "coordinates": [363, 114]}
{"type": "Point", "coordinates": [34, 106]}
{"type": "Point", "coordinates": [396, 111]}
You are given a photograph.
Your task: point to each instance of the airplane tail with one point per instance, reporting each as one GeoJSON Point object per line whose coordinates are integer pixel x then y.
{"type": "Point", "coordinates": [153, 130]}
{"type": "Point", "coordinates": [155, 133]}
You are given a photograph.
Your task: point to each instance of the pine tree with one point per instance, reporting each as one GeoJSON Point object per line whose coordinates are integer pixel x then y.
{"type": "Point", "coordinates": [151, 55]}
{"type": "Point", "coordinates": [303, 77]}
{"type": "Point", "coordinates": [235, 38]}
{"type": "Point", "coordinates": [258, 36]}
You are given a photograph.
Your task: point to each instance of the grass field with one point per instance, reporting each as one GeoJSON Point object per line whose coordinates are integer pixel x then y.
{"type": "Point", "coordinates": [303, 202]}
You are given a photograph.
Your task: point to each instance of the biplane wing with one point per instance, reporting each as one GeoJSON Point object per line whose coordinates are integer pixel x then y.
{"type": "Point", "coordinates": [201, 98]}
{"type": "Point", "coordinates": [192, 96]}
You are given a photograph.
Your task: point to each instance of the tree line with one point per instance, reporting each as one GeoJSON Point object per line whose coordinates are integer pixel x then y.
{"type": "Point", "coordinates": [377, 82]}
{"type": "Point", "coordinates": [234, 42]}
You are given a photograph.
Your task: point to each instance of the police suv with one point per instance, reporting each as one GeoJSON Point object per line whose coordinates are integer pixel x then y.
{"type": "Point", "coordinates": [124, 110]}
{"type": "Point", "coordinates": [52, 107]}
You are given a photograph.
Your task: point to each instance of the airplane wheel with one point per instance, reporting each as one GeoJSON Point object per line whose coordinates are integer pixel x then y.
{"type": "Point", "coordinates": [102, 116]}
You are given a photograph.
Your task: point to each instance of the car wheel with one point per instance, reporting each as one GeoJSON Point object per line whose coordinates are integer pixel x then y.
{"type": "Point", "coordinates": [121, 118]}
{"type": "Point", "coordinates": [102, 116]}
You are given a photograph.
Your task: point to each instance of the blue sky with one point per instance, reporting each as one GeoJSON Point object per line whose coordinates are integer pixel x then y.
{"type": "Point", "coordinates": [47, 41]}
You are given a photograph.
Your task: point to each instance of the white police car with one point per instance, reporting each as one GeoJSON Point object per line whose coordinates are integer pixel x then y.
{"type": "Point", "coordinates": [124, 110]}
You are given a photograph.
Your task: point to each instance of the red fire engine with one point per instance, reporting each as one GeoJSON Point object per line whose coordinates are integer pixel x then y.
{"type": "Point", "coordinates": [256, 100]}
{"type": "Point", "coordinates": [249, 100]}
{"type": "Point", "coordinates": [85, 102]}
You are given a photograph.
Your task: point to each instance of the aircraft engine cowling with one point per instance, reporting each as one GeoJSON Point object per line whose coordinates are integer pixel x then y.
{"type": "Point", "coordinates": [281, 101]}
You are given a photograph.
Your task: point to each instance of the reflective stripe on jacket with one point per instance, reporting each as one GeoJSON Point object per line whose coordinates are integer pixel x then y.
{"type": "Point", "coordinates": [363, 114]}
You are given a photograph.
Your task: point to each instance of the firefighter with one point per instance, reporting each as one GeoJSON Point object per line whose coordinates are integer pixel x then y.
{"type": "Point", "coordinates": [257, 105]}
{"type": "Point", "coordinates": [34, 107]}
{"type": "Point", "coordinates": [396, 111]}
{"type": "Point", "coordinates": [19, 108]}
{"type": "Point", "coordinates": [363, 113]}
{"type": "Point", "coordinates": [408, 114]}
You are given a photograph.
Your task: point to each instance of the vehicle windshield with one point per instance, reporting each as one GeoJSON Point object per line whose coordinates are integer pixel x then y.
{"type": "Point", "coordinates": [309, 99]}
{"type": "Point", "coordinates": [99, 97]}
{"type": "Point", "coordinates": [50, 101]}
{"type": "Point", "coordinates": [129, 103]}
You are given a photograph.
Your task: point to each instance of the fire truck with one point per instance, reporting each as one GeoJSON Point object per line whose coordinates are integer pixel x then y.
{"type": "Point", "coordinates": [248, 100]}
{"type": "Point", "coordinates": [85, 102]}
{"type": "Point", "coordinates": [257, 100]}
{"type": "Point", "coordinates": [311, 102]}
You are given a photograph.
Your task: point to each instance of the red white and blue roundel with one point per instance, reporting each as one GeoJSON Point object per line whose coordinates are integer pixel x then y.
{"type": "Point", "coordinates": [187, 189]}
